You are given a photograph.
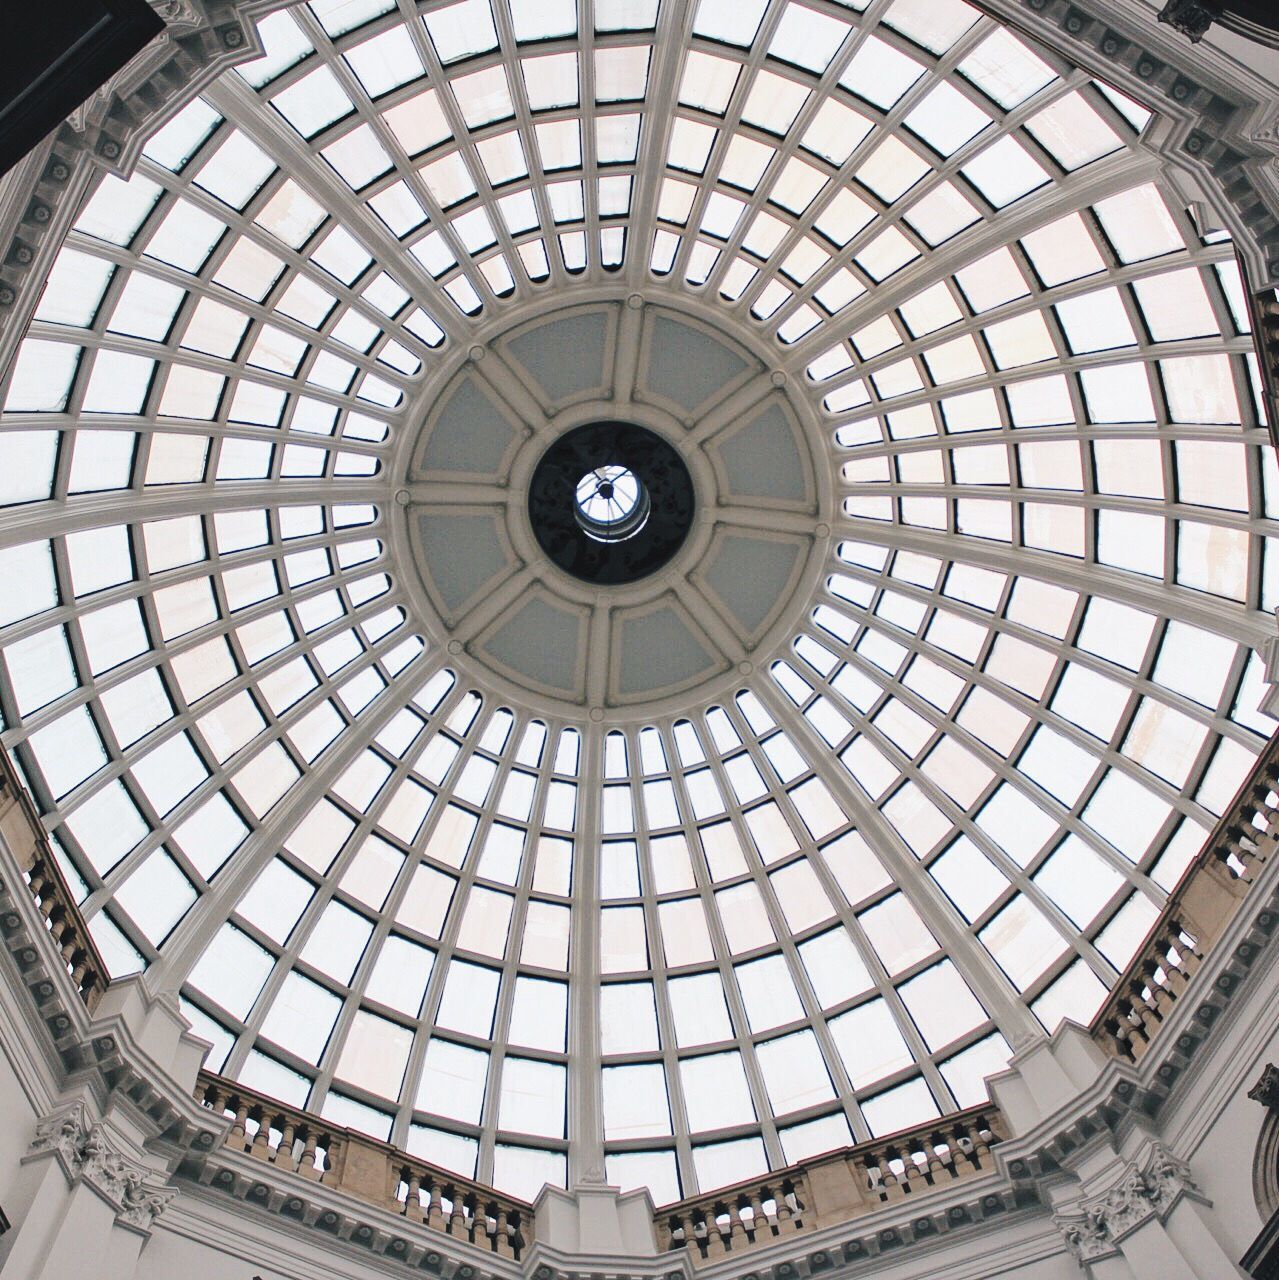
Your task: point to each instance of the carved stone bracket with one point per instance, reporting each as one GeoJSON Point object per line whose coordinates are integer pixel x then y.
{"type": "Point", "coordinates": [1143, 1192]}
{"type": "Point", "coordinates": [1266, 1090]}
{"type": "Point", "coordinates": [1191, 17]}
{"type": "Point", "coordinates": [86, 1152]}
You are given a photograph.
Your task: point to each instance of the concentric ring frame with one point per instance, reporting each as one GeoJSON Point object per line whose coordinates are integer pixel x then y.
{"type": "Point", "coordinates": [719, 510]}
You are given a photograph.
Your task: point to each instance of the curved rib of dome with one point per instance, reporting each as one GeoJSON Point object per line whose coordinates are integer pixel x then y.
{"type": "Point", "coordinates": [537, 933]}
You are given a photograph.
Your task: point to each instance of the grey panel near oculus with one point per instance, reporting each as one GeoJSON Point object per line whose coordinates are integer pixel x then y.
{"type": "Point", "coordinates": [659, 650]}
{"type": "Point", "coordinates": [687, 366]}
{"type": "Point", "coordinates": [469, 435]}
{"type": "Point", "coordinates": [566, 357]}
{"type": "Point", "coordinates": [540, 642]}
{"type": "Point", "coordinates": [762, 459]}
{"type": "Point", "coordinates": [460, 553]}
{"type": "Point", "coordinates": [750, 575]}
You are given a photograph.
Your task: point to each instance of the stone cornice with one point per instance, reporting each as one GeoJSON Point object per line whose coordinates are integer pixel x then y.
{"type": "Point", "coordinates": [106, 133]}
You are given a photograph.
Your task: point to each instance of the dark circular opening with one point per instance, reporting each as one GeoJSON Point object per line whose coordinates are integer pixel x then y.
{"type": "Point", "coordinates": [610, 502]}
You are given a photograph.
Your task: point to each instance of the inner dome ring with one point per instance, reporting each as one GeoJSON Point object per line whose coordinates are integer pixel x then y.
{"type": "Point", "coordinates": [760, 470]}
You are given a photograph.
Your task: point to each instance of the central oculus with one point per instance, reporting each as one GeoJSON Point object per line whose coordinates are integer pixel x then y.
{"type": "Point", "coordinates": [610, 502]}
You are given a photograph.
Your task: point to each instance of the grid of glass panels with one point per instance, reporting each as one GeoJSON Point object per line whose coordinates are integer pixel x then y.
{"type": "Point", "coordinates": [941, 819]}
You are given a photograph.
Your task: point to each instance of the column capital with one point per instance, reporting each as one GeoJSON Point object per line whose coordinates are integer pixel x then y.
{"type": "Point", "coordinates": [1147, 1188]}
{"type": "Point", "coordinates": [89, 1153]}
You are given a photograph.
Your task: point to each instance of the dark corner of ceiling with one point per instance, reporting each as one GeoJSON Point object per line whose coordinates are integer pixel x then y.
{"type": "Point", "coordinates": [54, 56]}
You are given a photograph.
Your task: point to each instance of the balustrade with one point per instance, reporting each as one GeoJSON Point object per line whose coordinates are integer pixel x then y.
{"type": "Point", "coordinates": [833, 1188]}
{"type": "Point", "coordinates": [364, 1167]}
{"type": "Point", "coordinates": [268, 1131]}
{"type": "Point", "coordinates": [26, 837]}
{"type": "Point", "coordinates": [460, 1208]}
{"type": "Point", "coordinates": [1196, 914]}
{"type": "Point", "coordinates": [737, 1218]}
{"type": "Point", "coordinates": [929, 1157]}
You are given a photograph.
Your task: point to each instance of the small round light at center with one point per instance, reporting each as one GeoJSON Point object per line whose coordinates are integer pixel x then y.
{"type": "Point", "coordinates": [612, 503]}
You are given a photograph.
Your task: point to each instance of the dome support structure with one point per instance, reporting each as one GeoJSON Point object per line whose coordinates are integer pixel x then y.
{"type": "Point", "coordinates": [784, 737]}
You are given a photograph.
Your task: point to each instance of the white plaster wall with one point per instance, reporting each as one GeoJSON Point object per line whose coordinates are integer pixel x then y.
{"type": "Point", "coordinates": [17, 1123]}
{"type": "Point", "coordinates": [1210, 1120]}
{"type": "Point", "coordinates": [167, 1256]}
{"type": "Point", "coordinates": [204, 1236]}
{"type": "Point", "coordinates": [1059, 1267]}
{"type": "Point", "coordinates": [1223, 1160]}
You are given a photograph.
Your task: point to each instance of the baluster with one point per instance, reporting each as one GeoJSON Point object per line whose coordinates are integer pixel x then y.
{"type": "Point", "coordinates": [736, 1227]}
{"type": "Point", "coordinates": [434, 1210]}
{"type": "Point", "coordinates": [457, 1220]}
{"type": "Point", "coordinates": [284, 1152]}
{"type": "Point", "coordinates": [37, 880]}
{"type": "Point", "coordinates": [981, 1140]}
{"type": "Point", "coordinates": [260, 1148]}
{"type": "Point", "coordinates": [1139, 1025]}
{"type": "Point", "coordinates": [938, 1174]}
{"type": "Point", "coordinates": [783, 1210]}
{"type": "Point", "coordinates": [716, 1243]}
{"type": "Point", "coordinates": [759, 1221]}
{"type": "Point", "coordinates": [412, 1200]}
{"type": "Point", "coordinates": [688, 1232]}
{"type": "Point", "coordinates": [502, 1239]}
{"type": "Point", "coordinates": [703, 1224]}
{"type": "Point", "coordinates": [236, 1138]}
{"type": "Point", "coordinates": [307, 1164]}
{"type": "Point", "coordinates": [892, 1180]}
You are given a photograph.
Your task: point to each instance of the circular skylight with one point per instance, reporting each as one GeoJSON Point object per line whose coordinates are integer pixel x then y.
{"type": "Point", "coordinates": [783, 845]}
{"type": "Point", "coordinates": [612, 503]}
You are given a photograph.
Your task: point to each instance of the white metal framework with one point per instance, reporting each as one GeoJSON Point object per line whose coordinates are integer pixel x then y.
{"type": "Point", "coordinates": [671, 951]}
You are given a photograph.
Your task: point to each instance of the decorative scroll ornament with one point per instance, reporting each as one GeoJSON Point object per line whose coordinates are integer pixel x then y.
{"type": "Point", "coordinates": [1141, 1194]}
{"type": "Point", "coordinates": [85, 1150]}
{"type": "Point", "coordinates": [179, 13]}
{"type": "Point", "coordinates": [63, 1134]}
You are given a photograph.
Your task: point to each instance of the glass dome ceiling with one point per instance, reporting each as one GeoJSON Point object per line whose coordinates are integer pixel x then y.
{"type": "Point", "coordinates": [534, 944]}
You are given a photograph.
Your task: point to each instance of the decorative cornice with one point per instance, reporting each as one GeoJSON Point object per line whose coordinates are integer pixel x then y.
{"type": "Point", "coordinates": [85, 1150]}
{"type": "Point", "coordinates": [1207, 108]}
{"type": "Point", "coordinates": [1143, 1192]}
{"type": "Point", "coordinates": [198, 37]}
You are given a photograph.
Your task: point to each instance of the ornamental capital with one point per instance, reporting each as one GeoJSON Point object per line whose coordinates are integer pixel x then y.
{"type": "Point", "coordinates": [87, 1153]}
{"type": "Point", "coordinates": [1143, 1192]}
{"type": "Point", "coordinates": [1191, 17]}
